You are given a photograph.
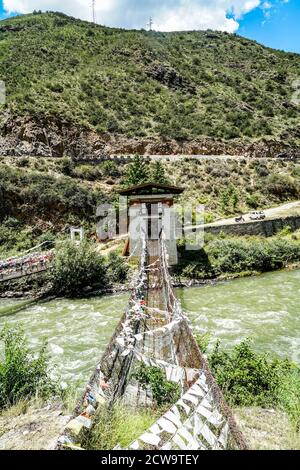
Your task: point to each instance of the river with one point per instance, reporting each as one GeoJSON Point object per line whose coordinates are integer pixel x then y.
{"type": "Point", "coordinates": [265, 308]}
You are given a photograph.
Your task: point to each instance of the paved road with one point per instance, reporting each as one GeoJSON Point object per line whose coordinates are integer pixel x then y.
{"type": "Point", "coordinates": [290, 208]}
{"type": "Point", "coordinates": [180, 157]}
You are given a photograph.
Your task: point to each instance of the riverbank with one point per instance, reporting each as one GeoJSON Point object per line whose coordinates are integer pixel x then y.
{"type": "Point", "coordinates": [37, 428]}
{"type": "Point", "coordinates": [14, 292]}
{"type": "Point", "coordinates": [79, 330]}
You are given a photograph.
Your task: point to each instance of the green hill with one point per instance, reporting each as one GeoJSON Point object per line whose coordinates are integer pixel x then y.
{"type": "Point", "coordinates": [187, 86]}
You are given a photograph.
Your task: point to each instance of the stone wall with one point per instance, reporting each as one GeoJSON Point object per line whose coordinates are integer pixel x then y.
{"type": "Point", "coordinates": [265, 228]}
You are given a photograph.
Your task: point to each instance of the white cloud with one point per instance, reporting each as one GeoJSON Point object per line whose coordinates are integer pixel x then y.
{"type": "Point", "coordinates": [168, 15]}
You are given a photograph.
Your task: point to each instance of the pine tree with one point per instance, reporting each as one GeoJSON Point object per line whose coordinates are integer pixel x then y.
{"type": "Point", "coordinates": [137, 172]}
{"type": "Point", "coordinates": [158, 174]}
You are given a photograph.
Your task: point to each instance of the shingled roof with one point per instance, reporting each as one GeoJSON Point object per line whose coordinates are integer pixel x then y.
{"type": "Point", "coordinates": [150, 188]}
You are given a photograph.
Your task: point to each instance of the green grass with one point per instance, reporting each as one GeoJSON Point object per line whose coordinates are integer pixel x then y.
{"type": "Point", "coordinates": [119, 425]}
{"type": "Point", "coordinates": [47, 196]}
{"type": "Point", "coordinates": [103, 78]}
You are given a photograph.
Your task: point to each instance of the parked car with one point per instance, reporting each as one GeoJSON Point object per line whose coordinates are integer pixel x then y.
{"type": "Point", "coordinates": [257, 215]}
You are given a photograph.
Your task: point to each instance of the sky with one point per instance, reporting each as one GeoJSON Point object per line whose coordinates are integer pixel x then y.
{"type": "Point", "coordinates": [274, 23]}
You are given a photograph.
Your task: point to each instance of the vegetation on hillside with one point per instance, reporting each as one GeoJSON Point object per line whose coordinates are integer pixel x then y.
{"type": "Point", "coordinates": [181, 85]}
{"type": "Point", "coordinates": [41, 198]}
{"type": "Point", "coordinates": [224, 256]}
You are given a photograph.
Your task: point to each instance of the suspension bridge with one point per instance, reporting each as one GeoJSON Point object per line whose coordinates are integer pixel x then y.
{"type": "Point", "coordinates": [155, 332]}
{"type": "Point", "coordinates": [33, 261]}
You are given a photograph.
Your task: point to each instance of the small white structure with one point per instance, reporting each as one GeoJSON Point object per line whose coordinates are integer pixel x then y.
{"type": "Point", "coordinates": [77, 234]}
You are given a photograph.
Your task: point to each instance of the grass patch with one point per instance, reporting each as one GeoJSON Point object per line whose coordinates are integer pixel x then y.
{"type": "Point", "coordinates": [119, 425]}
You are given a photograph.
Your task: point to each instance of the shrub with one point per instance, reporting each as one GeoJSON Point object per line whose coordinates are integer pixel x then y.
{"type": "Point", "coordinates": [281, 186]}
{"type": "Point", "coordinates": [22, 162]}
{"type": "Point", "coordinates": [67, 166]}
{"type": "Point", "coordinates": [289, 396]}
{"type": "Point", "coordinates": [22, 373]}
{"type": "Point", "coordinates": [235, 255]}
{"type": "Point", "coordinates": [229, 256]}
{"type": "Point", "coordinates": [164, 392]}
{"type": "Point", "coordinates": [203, 341]}
{"type": "Point", "coordinates": [253, 201]}
{"type": "Point", "coordinates": [117, 268]}
{"type": "Point", "coordinates": [87, 172]}
{"type": "Point", "coordinates": [248, 378]}
{"type": "Point", "coordinates": [109, 168]}
{"type": "Point", "coordinates": [76, 267]}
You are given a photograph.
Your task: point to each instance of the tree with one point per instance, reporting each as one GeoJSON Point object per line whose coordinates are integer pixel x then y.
{"type": "Point", "coordinates": [158, 174]}
{"type": "Point", "coordinates": [137, 172]}
{"type": "Point", "coordinates": [77, 267]}
{"type": "Point", "coordinates": [229, 199]}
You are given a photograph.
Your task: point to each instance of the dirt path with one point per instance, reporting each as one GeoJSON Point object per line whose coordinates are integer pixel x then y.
{"type": "Point", "coordinates": [37, 429]}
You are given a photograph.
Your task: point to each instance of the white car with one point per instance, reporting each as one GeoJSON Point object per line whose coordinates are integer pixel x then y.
{"type": "Point", "coordinates": [257, 215]}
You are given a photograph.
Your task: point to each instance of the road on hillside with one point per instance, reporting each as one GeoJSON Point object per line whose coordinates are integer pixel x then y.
{"type": "Point", "coordinates": [284, 210]}
{"type": "Point", "coordinates": [180, 157]}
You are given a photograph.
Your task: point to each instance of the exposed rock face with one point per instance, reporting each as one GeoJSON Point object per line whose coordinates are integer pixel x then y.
{"type": "Point", "coordinates": [50, 138]}
{"type": "Point", "coordinates": [170, 77]}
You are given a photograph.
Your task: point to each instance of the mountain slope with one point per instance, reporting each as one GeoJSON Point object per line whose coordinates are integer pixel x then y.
{"type": "Point", "coordinates": [63, 74]}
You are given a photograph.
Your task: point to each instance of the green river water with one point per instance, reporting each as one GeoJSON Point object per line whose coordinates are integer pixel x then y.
{"type": "Point", "coordinates": [265, 308]}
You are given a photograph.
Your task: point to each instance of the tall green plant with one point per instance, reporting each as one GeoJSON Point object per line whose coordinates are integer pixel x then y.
{"type": "Point", "coordinates": [137, 172]}
{"type": "Point", "coordinates": [23, 374]}
{"type": "Point", "coordinates": [158, 174]}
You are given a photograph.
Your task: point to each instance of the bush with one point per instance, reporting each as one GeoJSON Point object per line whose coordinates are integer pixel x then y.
{"type": "Point", "coordinates": [22, 373]}
{"type": "Point", "coordinates": [233, 256]}
{"type": "Point", "coordinates": [67, 166]}
{"type": "Point", "coordinates": [236, 255]}
{"type": "Point", "coordinates": [203, 341]}
{"type": "Point", "coordinates": [76, 267]}
{"type": "Point", "coordinates": [117, 268]}
{"type": "Point", "coordinates": [281, 186]}
{"type": "Point", "coordinates": [253, 201]}
{"type": "Point", "coordinates": [109, 168]}
{"type": "Point", "coordinates": [164, 392]}
{"type": "Point", "coordinates": [87, 172]}
{"type": "Point", "coordinates": [248, 378]}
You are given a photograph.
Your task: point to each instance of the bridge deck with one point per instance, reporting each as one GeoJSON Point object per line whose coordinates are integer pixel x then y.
{"type": "Point", "coordinates": [154, 332]}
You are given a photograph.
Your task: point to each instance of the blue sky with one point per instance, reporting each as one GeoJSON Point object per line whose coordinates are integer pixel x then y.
{"type": "Point", "coordinates": [274, 23]}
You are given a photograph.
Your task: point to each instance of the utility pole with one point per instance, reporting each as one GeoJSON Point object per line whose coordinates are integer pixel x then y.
{"type": "Point", "coordinates": [150, 24]}
{"type": "Point", "coordinates": [94, 10]}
